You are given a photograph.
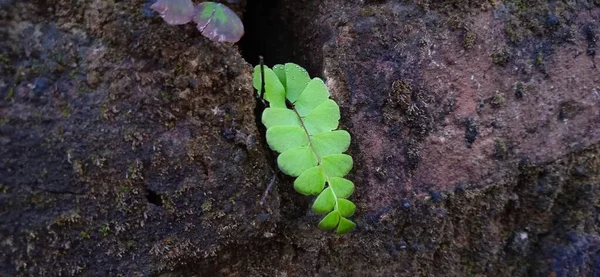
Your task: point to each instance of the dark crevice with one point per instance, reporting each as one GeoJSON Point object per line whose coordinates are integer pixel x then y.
{"type": "Point", "coordinates": [279, 31]}
{"type": "Point", "coordinates": [153, 197]}
{"type": "Point", "coordinates": [266, 33]}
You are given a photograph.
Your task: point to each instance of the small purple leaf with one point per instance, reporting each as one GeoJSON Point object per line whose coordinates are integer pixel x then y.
{"type": "Point", "coordinates": [175, 12]}
{"type": "Point", "coordinates": [218, 22]}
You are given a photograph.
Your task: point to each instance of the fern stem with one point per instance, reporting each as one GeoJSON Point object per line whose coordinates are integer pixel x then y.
{"type": "Point", "coordinates": [313, 149]}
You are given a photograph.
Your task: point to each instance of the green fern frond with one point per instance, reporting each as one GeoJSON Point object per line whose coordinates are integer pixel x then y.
{"type": "Point", "coordinates": [301, 124]}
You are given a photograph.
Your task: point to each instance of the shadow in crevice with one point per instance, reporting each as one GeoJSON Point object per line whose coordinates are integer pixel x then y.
{"type": "Point", "coordinates": [266, 33]}
{"type": "Point", "coordinates": [280, 31]}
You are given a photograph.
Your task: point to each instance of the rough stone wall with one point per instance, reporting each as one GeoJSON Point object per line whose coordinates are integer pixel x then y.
{"type": "Point", "coordinates": [131, 147]}
{"type": "Point", "coordinates": [128, 146]}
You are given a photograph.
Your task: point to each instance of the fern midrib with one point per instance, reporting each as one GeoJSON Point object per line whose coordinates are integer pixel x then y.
{"type": "Point", "coordinates": [310, 144]}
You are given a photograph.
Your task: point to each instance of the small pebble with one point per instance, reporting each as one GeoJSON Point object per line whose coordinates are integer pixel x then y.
{"type": "Point", "coordinates": [406, 204]}
{"type": "Point", "coordinates": [40, 84]}
{"type": "Point", "coordinates": [93, 79]}
{"type": "Point", "coordinates": [436, 196]}
{"type": "Point", "coordinates": [229, 134]}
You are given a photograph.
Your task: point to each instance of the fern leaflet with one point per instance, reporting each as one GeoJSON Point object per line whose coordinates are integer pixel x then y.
{"type": "Point", "coordinates": [301, 124]}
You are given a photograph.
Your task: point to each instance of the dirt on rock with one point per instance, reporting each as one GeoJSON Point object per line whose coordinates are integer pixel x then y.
{"type": "Point", "coordinates": [132, 148]}
{"type": "Point", "coordinates": [129, 147]}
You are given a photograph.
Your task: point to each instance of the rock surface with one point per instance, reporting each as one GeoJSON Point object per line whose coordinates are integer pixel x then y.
{"type": "Point", "coordinates": [132, 147]}
{"type": "Point", "coordinates": [128, 146]}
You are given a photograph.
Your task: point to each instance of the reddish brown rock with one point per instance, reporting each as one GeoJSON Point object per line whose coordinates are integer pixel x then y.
{"type": "Point", "coordinates": [475, 137]}
{"type": "Point", "coordinates": [428, 113]}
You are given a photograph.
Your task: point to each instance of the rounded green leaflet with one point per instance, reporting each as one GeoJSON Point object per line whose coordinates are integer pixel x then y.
{"type": "Point", "coordinates": [279, 70]}
{"type": "Point", "coordinates": [218, 22]}
{"type": "Point", "coordinates": [283, 138]}
{"type": "Point", "coordinates": [257, 78]}
{"type": "Point", "coordinates": [311, 149]}
{"type": "Point", "coordinates": [280, 117]}
{"type": "Point", "coordinates": [274, 90]}
{"type": "Point", "coordinates": [296, 79]}
{"type": "Point", "coordinates": [336, 165]}
{"type": "Point", "coordinates": [335, 142]}
{"type": "Point", "coordinates": [330, 221]}
{"type": "Point", "coordinates": [325, 202]}
{"type": "Point", "coordinates": [323, 118]}
{"type": "Point", "coordinates": [174, 12]}
{"type": "Point", "coordinates": [345, 226]}
{"type": "Point", "coordinates": [342, 187]}
{"type": "Point", "coordinates": [346, 208]}
{"type": "Point", "coordinates": [313, 95]}
{"type": "Point", "coordinates": [295, 161]}
{"type": "Point", "coordinates": [310, 182]}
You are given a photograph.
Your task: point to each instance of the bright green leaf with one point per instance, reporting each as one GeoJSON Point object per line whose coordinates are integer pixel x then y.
{"type": "Point", "coordinates": [342, 187]}
{"type": "Point", "coordinates": [279, 70]}
{"type": "Point", "coordinates": [280, 117]}
{"type": "Point", "coordinates": [325, 202]}
{"type": "Point", "coordinates": [336, 165]}
{"type": "Point", "coordinates": [311, 147]}
{"type": "Point", "coordinates": [323, 118]}
{"type": "Point", "coordinates": [346, 207]}
{"type": "Point", "coordinates": [345, 226]}
{"type": "Point", "coordinates": [296, 80]}
{"type": "Point", "coordinates": [328, 143]}
{"type": "Point", "coordinates": [283, 138]}
{"type": "Point", "coordinates": [295, 161]}
{"type": "Point", "coordinates": [330, 221]}
{"type": "Point", "coordinates": [256, 79]}
{"type": "Point", "coordinates": [313, 95]}
{"type": "Point", "coordinates": [274, 90]}
{"type": "Point", "coordinates": [310, 182]}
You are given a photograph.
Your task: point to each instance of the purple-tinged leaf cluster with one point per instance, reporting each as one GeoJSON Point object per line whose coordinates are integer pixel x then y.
{"type": "Point", "coordinates": [216, 21]}
{"type": "Point", "coordinates": [175, 12]}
